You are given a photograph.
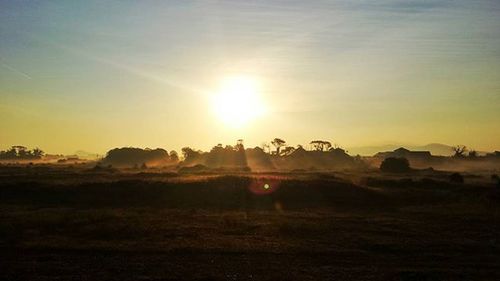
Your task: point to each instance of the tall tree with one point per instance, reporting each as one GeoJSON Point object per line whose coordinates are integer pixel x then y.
{"type": "Point", "coordinates": [37, 153]}
{"type": "Point", "coordinates": [189, 154]}
{"type": "Point", "coordinates": [459, 150]}
{"type": "Point", "coordinates": [11, 153]}
{"type": "Point", "coordinates": [278, 143]}
{"type": "Point", "coordinates": [320, 145]}
{"type": "Point", "coordinates": [239, 145]}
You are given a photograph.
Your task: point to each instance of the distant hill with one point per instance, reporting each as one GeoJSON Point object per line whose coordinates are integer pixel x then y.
{"type": "Point", "coordinates": [87, 155]}
{"type": "Point", "coordinates": [434, 148]}
{"type": "Point", "coordinates": [372, 150]}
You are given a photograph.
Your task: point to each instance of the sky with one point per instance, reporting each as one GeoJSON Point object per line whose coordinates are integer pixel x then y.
{"type": "Point", "coordinates": [94, 75]}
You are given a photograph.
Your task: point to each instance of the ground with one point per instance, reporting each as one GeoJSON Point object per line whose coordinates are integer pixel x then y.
{"type": "Point", "coordinates": [75, 224]}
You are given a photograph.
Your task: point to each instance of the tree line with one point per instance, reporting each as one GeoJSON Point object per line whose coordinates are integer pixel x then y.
{"type": "Point", "coordinates": [19, 152]}
{"type": "Point", "coordinates": [321, 153]}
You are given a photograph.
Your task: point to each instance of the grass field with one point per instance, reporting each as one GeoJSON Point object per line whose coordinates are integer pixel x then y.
{"type": "Point", "coordinates": [70, 224]}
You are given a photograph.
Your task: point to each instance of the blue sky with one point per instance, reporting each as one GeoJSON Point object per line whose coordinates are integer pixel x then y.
{"type": "Point", "coordinates": [93, 75]}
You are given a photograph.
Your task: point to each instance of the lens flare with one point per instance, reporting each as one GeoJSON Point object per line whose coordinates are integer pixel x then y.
{"type": "Point", "coordinates": [264, 186]}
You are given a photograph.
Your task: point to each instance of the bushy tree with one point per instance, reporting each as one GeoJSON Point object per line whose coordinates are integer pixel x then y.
{"type": "Point", "coordinates": [278, 143]}
{"type": "Point", "coordinates": [395, 165]}
{"type": "Point", "coordinates": [320, 145]}
{"type": "Point", "coordinates": [19, 152]}
{"type": "Point", "coordinates": [127, 156]}
{"type": "Point", "coordinates": [228, 156]}
{"type": "Point", "coordinates": [174, 156]}
{"type": "Point", "coordinates": [38, 153]}
{"type": "Point", "coordinates": [189, 154]}
{"type": "Point", "coordinates": [472, 154]}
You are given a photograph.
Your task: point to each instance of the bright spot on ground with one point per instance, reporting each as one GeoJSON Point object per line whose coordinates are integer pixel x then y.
{"type": "Point", "coordinates": [266, 186]}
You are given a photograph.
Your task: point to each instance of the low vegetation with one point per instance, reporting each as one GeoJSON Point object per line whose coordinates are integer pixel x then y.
{"type": "Point", "coordinates": [297, 226]}
{"type": "Point", "coordinates": [395, 165]}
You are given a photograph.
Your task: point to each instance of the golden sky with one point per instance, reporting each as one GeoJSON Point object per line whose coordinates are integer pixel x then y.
{"type": "Point", "coordinates": [93, 75]}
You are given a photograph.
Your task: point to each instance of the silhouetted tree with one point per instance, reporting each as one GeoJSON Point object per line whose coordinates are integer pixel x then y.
{"type": "Point", "coordinates": [189, 154]}
{"type": "Point", "coordinates": [459, 150]}
{"type": "Point", "coordinates": [21, 152]}
{"type": "Point", "coordinates": [127, 156]}
{"type": "Point", "coordinates": [472, 154]}
{"type": "Point", "coordinates": [320, 145]}
{"type": "Point", "coordinates": [11, 153]}
{"type": "Point", "coordinates": [266, 147]}
{"type": "Point", "coordinates": [38, 153]}
{"type": "Point", "coordinates": [316, 145]}
{"type": "Point", "coordinates": [226, 157]}
{"type": "Point", "coordinates": [239, 145]}
{"type": "Point", "coordinates": [240, 158]}
{"type": "Point", "coordinates": [326, 145]}
{"type": "Point", "coordinates": [278, 143]}
{"type": "Point", "coordinates": [287, 150]}
{"type": "Point", "coordinates": [174, 156]}
{"type": "Point", "coordinates": [258, 159]}
{"type": "Point", "coordinates": [395, 165]}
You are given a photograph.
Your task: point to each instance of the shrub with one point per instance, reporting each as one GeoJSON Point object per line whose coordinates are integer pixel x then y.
{"type": "Point", "coordinates": [199, 168]}
{"type": "Point", "coordinates": [456, 178]}
{"type": "Point", "coordinates": [496, 179]}
{"type": "Point", "coordinates": [395, 165]}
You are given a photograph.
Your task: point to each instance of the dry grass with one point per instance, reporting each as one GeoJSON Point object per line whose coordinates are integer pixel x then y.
{"type": "Point", "coordinates": [77, 226]}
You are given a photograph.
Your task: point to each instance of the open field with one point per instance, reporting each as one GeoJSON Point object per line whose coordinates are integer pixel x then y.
{"type": "Point", "coordinates": [76, 224]}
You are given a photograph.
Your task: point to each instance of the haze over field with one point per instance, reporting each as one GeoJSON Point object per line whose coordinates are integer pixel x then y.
{"type": "Point", "coordinates": [93, 75]}
{"type": "Point", "coordinates": [249, 140]}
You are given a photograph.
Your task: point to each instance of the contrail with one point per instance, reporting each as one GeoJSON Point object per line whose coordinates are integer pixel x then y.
{"type": "Point", "coordinates": [118, 65]}
{"type": "Point", "coordinates": [132, 70]}
{"type": "Point", "coordinates": [14, 70]}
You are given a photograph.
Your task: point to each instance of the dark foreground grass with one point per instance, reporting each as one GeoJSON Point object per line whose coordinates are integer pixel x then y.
{"type": "Point", "coordinates": [231, 228]}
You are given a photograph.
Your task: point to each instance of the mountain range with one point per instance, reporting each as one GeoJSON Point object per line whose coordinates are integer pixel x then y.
{"type": "Point", "coordinates": [434, 148]}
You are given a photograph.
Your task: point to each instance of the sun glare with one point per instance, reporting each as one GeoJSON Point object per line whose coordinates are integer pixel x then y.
{"type": "Point", "coordinates": [238, 101]}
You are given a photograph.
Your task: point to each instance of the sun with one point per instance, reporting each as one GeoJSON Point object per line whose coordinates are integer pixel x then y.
{"type": "Point", "coordinates": [238, 101]}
